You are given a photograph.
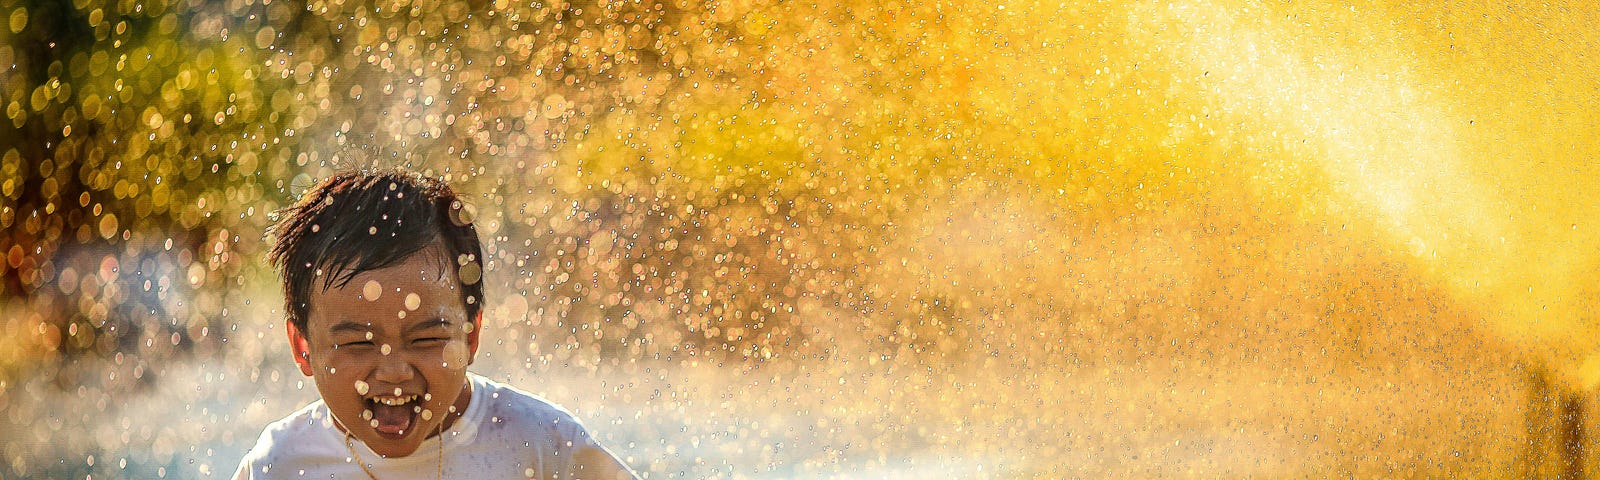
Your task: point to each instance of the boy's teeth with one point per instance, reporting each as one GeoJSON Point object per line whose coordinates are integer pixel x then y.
{"type": "Point", "coordinates": [395, 401]}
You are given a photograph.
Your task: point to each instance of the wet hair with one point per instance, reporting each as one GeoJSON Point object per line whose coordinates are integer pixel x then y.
{"type": "Point", "coordinates": [358, 221]}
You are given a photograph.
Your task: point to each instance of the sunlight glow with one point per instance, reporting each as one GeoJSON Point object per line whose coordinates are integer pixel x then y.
{"type": "Point", "coordinates": [1395, 146]}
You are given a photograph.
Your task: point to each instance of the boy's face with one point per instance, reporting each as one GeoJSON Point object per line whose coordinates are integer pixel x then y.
{"type": "Point", "coordinates": [389, 351]}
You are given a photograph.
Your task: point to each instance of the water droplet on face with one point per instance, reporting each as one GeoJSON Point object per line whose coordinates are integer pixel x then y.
{"type": "Point", "coordinates": [396, 391]}
{"type": "Point", "coordinates": [362, 387]}
{"type": "Point", "coordinates": [385, 349]}
{"type": "Point", "coordinates": [366, 414]}
{"type": "Point", "coordinates": [470, 273]}
{"type": "Point", "coordinates": [413, 301]}
{"type": "Point", "coordinates": [427, 397]}
{"type": "Point", "coordinates": [427, 415]}
{"type": "Point", "coordinates": [369, 335]}
{"type": "Point", "coordinates": [373, 422]}
{"type": "Point", "coordinates": [372, 290]}
{"type": "Point", "coordinates": [455, 353]}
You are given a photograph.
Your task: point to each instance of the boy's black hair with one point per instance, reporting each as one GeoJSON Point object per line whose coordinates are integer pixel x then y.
{"type": "Point", "coordinates": [358, 221]}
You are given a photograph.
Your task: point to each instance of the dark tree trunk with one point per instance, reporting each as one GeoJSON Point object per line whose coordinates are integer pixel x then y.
{"type": "Point", "coordinates": [1572, 454]}
{"type": "Point", "coordinates": [1536, 424]}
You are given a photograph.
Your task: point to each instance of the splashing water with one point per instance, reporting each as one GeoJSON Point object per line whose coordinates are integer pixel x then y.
{"type": "Point", "coordinates": [777, 239]}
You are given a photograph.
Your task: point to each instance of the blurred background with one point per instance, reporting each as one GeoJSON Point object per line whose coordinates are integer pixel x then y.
{"type": "Point", "coordinates": [838, 240]}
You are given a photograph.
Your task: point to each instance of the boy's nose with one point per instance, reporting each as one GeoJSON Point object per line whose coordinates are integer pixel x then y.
{"type": "Point", "coordinates": [393, 369]}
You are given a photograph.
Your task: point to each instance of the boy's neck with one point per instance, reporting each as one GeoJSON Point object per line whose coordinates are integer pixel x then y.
{"type": "Point", "coordinates": [462, 402]}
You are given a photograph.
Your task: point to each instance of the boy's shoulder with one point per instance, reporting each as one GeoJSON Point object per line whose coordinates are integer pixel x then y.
{"type": "Point", "coordinates": [308, 423]}
{"type": "Point", "coordinates": [304, 435]}
{"type": "Point", "coordinates": [506, 409]}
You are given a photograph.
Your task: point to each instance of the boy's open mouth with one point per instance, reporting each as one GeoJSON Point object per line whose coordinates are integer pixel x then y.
{"type": "Point", "coordinates": [393, 415]}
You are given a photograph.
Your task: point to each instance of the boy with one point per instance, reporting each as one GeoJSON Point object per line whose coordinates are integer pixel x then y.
{"type": "Point", "coordinates": [382, 279]}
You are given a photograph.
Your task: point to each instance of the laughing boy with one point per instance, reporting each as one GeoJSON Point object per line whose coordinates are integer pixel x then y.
{"type": "Point", "coordinates": [382, 275]}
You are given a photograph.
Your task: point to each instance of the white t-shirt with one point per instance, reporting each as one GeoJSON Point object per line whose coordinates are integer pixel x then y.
{"type": "Point", "coordinates": [505, 433]}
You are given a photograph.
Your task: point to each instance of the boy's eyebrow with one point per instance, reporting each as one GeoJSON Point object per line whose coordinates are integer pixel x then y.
{"type": "Point", "coordinates": [427, 324]}
{"type": "Point", "coordinates": [347, 326]}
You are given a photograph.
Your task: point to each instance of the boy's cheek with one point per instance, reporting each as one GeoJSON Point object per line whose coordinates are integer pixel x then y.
{"type": "Point", "coordinates": [340, 363]}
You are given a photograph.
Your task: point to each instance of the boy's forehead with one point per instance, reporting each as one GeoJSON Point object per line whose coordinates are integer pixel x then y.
{"type": "Point", "coordinates": [424, 268]}
{"type": "Point", "coordinates": [406, 274]}
{"type": "Point", "coordinates": [405, 310]}
{"type": "Point", "coordinates": [371, 320]}
{"type": "Point", "coordinates": [400, 284]}
{"type": "Point", "coordinates": [413, 288]}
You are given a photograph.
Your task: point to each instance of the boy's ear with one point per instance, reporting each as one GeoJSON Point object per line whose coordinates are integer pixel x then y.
{"type": "Point", "coordinates": [302, 348]}
{"type": "Point", "coordinates": [472, 337]}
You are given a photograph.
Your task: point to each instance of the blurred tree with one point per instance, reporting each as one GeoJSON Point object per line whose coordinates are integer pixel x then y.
{"type": "Point", "coordinates": [125, 178]}
{"type": "Point", "coordinates": [145, 140]}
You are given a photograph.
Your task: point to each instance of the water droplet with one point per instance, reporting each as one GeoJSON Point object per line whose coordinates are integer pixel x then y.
{"type": "Point", "coordinates": [413, 301]}
{"type": "Point", "coordinates": [372, 290]}
{"type": "Point", "coordinates": [362, 387]}
{"type": "Point", "coordinates": [470, 273]}
{"type": "Point", "coordinates": [455, 353]}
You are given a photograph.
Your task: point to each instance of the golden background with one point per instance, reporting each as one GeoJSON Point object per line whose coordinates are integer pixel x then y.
{"type": "Point", "coordinates": [796, 239]}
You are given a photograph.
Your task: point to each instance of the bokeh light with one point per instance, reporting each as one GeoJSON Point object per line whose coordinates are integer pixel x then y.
{"type": "Point", "coordinates": [876, 239]}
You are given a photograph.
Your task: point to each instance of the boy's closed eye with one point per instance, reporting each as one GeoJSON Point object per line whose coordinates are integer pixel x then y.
{"type": "Point", "coordinates": [430, 341]}
{"type": "Point", "coordinates": [350, 334]}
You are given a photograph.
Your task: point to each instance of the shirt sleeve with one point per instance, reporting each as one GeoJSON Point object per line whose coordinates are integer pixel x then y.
{"type": "Point", "coordinates": [250, 465]}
